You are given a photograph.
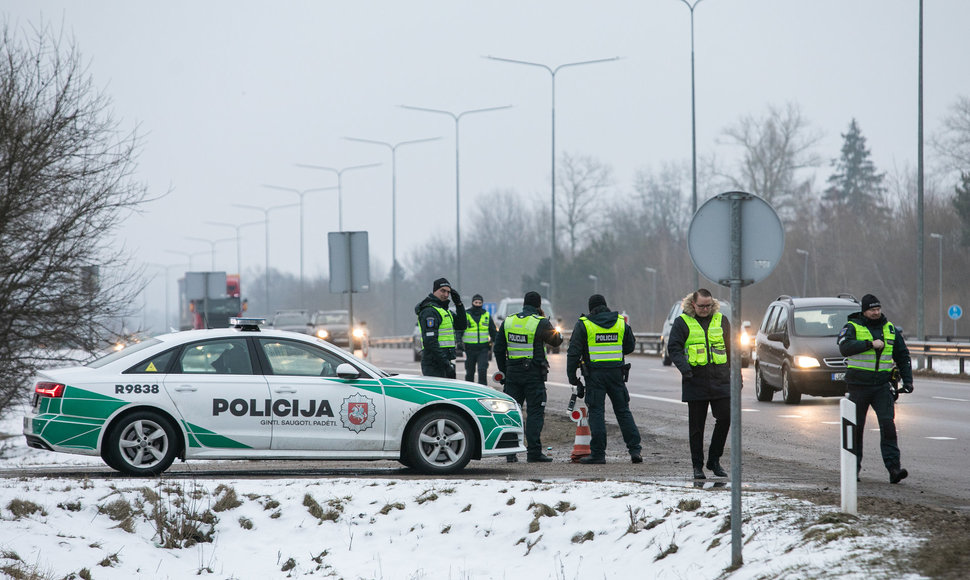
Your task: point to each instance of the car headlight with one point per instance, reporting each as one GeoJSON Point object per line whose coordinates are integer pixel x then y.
{"type": "Point", "coordinates": [558, 329]}
{"type": "Point", "coordinates": [358, 333]}
{"type": "Point", "coordinates": [498, 405]}
{"type": "Point", "coordinates": [322, 333]}
{"type": "Point", "coordinates": [744, 338]}
{"type": "Point", "coordinates": [806, 362]}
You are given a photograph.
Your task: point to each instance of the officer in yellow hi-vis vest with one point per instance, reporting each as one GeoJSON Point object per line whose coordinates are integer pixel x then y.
{"type": "Point", "coordinates": [478, 338]}
{"type": "Point", "coordinates": [873, 346]}
{"type": "Point", "coordinates": [520, 354]}
{"type": "Point", "coordinates": [700, 347]}
{"type": "Point", "coordinates": [600, 340]}
{"type": "Point", "coordinates": [439, 328]}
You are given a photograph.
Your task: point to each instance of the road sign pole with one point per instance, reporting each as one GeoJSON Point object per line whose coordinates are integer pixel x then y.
{"type": "Point", "coordinates": [736, 540]}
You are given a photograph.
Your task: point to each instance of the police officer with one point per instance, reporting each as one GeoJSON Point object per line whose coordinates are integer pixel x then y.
{"type": "Point", "coordinates": [520, 354]}
{"type": "Point", "coordinates": [700, 347]}
{"type": "Point", "coordinates": [872, 345]}
{"type": "Point", "coordinates": [478, 338]}
{"type": "Point", "coordinates": [599, 341]}
{"type": "Point", "coordinates": [438, 329]}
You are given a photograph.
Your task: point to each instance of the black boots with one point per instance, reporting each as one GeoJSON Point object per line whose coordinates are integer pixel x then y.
{"type": "Point", "coordinates": [715, 466]}
{"type": "Point", "coordinates": [897, 474]}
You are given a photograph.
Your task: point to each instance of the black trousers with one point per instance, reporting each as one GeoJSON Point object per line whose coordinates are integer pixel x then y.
{"type": "Point", "coordinates": [696, 419]}
{"type": "Point", "coordinates": [529, 391]}
{"type": "Point", "coordinates": [476, 358]}
{"type": "Point", "coordinates": [430, 369]}
{"type": "Point", "coordinates": [880, 398]}
{"type": "Point", "coordinates": [603, 383]}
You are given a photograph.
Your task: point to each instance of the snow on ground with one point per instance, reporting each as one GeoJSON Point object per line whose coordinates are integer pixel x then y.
{"type": "Point", "coordinates": [407, 529]}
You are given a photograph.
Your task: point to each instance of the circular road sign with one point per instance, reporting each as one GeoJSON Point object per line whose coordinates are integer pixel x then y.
{"type": "Point", "coordinates": [955, 312]}
{"type": "Point", "coordinates": [762, 238]}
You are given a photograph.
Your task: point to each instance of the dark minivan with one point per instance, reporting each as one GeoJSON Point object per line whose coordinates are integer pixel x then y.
{"type": "Point", "coordinates": [796, 349]}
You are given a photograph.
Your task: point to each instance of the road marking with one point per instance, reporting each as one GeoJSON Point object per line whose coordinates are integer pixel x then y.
{"type": "Point", "coordinates": [659, 370]}
{"type": "Point", "coordinates": [790, 416]}
{"type": "Point", "coordinates": [750, 410]}
{"type": "Point", "coordinates": [831, 422]}
{"type": "Point", "coordinates": [661, 399]}
{"type": "Point", "coordinates": [949, 399]}
{"type": "Point", "coordinates": [943, 438]}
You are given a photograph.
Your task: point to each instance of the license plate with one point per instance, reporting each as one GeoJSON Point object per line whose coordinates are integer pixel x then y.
{"type": "Point", "coordinates": [838, 376]}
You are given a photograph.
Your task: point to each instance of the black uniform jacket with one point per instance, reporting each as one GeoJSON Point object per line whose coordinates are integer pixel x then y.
{"type": "Point", "coordinates": [545, 334]}
{"type": "Point", "coordinates": [850, 345]}
{"type": "Point", "coordinates": [430, 322]}
{"type": "Point", "coordinates": [579, 343]}
{"type": "Point", "coordinates": [701, 383]}
{"type": "Point", "coordinates": [476, 313]}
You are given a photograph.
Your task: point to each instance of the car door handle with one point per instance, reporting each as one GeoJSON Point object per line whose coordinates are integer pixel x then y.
{"type": "Point", "coordinates": [186, 388]}
{"type": "Point", "coordinates": [285, 390]}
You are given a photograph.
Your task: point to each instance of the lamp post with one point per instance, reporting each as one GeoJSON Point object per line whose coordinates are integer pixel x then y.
{"type": "Point", "coordinates": [940, 238]}
{"type": "Point", "coordinates": [653, 293]}
{"type": "Point", "coordinates": [693, 120]}
{"type": "Point", "coordinates": [188, 255]}
{"type": "Point", "coordinates": [456, 117]}
{"type": "Point", "coordinates": [212, 248]}
{"type": "Point", "coordinates": [340, 185]}
{"type": "Point", "coordinates": [596, 283]}
{"type": "Point", "coordinates": [236, 227]}
{"type": "Point", "coordinates": [805, 275]}
{"type": "Point", "coordinates": [552, 74]}
{"type": "Point", "coordinates": [394, 271]}
{"type": "Point", "coordinates": [301, 193]}
{"type": "Point", "coordinates": [266, 211]}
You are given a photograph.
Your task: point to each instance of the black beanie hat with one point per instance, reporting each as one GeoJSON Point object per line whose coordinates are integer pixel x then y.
{"type": "Point", "coordinates": [439, 283]}
{"type": "Point", "coordinates": [870, 301]}
{"type": "Point", "coordinates": [477, 297]}
{"type": "Point", "coordinates": [596, 300]}
{"type": "Point", "coordinates": [532, 299]}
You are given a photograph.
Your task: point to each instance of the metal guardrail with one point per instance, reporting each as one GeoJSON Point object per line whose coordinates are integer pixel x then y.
{"type": "Point", "coordinates": [925, 351]}
{"type": "Point", "coordinates": [647, 342]}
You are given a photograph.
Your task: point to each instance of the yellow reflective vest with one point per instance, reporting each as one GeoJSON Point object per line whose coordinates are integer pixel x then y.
{"type": "Point", "coordinates": [520, 334]}
{"type": "Point", "coordinates": [604, 344]}
{"type": "Point", "coordinates": [704, 349]}
{"type": "Point", "coordinates": [868, 360]}
{"type": "Point", "coordinates": [476, 332]}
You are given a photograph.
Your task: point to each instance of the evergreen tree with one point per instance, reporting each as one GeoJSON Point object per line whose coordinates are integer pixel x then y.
{"type": "Point", "coordinates": [961, 202]}
{"type": "Point", "coordinates": [855, 185]}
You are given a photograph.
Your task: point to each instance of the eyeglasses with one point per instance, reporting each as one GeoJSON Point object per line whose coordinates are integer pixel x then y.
{"type": "Point", "coordinates": [696, 305]}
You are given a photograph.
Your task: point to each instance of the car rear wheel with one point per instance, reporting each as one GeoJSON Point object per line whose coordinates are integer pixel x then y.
{"type": "Point", "coordinates": [141, 444]}
{"type": "Point", "coordinates": [788, 390]}
{"type": "Point", "coordinates": [440, 443]}
{"type": "Point", "coordinates": [762, 390]}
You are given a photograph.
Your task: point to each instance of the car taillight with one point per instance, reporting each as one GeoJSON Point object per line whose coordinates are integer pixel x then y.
{"type": "Point", "coordinates": [49, 389]}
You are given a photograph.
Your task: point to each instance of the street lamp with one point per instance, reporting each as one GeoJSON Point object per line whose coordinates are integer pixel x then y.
{"type": "Point", "coordinates": [596, 284]}
{"type": "Point", "coordinates": [693, 119]}
{"type": "Point", "coordinates": [456, 117]}
{"type": "Point", "coordinates": [237, 227]}
{"type": "Point", "coordinates": [805, 275]}
{"type": "Point", "coordinates": [653, 293]}
{"type": "Point", "coordinates": [301, 193]}
{"type": "Point", "coordinates": [340, 185]}
{"type": "Point", "coordinates": [552, 73]}
{"type": "Point", "coordinates": [189, 256]}
{"type": "Point", "coordinates": [266, 211]}
{"type": "Point", "coordinates": [940, 238]}
{"type": "Point", "coordinates": [212, 248]}
{"type": "Point", "coordinates": [394, 271]}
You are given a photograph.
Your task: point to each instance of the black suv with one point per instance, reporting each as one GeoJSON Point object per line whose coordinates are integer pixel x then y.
{"type": "Point", "coordinates": [796, 349]}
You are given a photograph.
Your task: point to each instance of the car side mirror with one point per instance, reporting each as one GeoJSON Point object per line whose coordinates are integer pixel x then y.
{"type": "Point", "coordinates": [347, 371]}
{"type": "Point", "coordinates": [778, 336]}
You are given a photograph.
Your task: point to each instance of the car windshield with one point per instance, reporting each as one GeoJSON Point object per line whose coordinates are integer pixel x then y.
{"type": "Point", "coordinates": [515, 306]}
{"type": "Point", "coordinates": [284, 319]}
{"type": "Point", "coordinates": [821, 320]}
{"type": "Point", "coordinates": [333, 318]}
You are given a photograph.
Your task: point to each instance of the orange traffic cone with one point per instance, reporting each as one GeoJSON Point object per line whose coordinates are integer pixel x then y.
{"type": "Point", "coordinates": [581, 448]}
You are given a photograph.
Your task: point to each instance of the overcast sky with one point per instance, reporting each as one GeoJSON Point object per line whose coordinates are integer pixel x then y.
{"type": "Point", "coordinates": [230, 95]}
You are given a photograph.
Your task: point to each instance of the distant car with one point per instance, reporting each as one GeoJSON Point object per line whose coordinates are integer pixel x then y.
{"type": "Point", "coordinates": [744, 336]}
{"type": "Point", "coordinates": [248, 393]}
{"type": "Point", "coordinates": [292, 320]}
{"type": "Point", "coordinates": [333, 327]}
{"type": "Point", "coordinates": [508, 306]}
{"type": "Point", "coordinates": [796, 348]}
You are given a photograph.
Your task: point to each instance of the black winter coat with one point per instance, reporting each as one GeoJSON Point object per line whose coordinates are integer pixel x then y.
{"type": "Point", "coordinates": [579, 349]}
{"type": "Point", "coordinates": [701, 383]}
{"type": "Point", "coordinates": [850, 345]}
{"type": "Point", "coordinates": [538, 366]}
{"type": "Point", "coordinates": [430, 322]}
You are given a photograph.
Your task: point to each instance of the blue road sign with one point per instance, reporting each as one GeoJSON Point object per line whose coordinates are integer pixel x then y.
{"type": "Point", "coordinates": [490, 307]}
{"type": "Point", "coordinates": [955, 312]}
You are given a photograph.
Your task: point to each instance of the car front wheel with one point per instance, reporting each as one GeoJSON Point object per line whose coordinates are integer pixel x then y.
{"type": "Point", "coordinates": [440, 443]}
{"type": "Point", "coordinates": [141, 444]}
{"type": "Point", "coordinates": [761, 389]}
{"type": "Point", "coordinates": [788, 390]}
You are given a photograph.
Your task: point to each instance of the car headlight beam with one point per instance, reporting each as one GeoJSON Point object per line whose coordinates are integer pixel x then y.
{"type": "Point", "coordinates": [499, 406]}
{"type": "Point", "coordinates": [806, 362]}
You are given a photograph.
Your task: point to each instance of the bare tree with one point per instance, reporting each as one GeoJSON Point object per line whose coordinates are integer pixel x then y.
{"type": "Point", "coordinates": [664, 204]}
{"type": "Point", "coordinates": [952, 144]}
{"type": "Point", "coordinates": [65, 183]}
{"type": "Point", "coordinates": [776, 147]}
{"type": "Point", "coordinates": [583, 181]}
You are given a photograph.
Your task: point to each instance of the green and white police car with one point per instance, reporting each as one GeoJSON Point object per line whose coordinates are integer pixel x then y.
{"type": "Point", "coordinates": [248, 393]}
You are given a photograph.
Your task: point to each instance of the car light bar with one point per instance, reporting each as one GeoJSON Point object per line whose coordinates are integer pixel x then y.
{"type": "Point", "coordinates": [246, 323]}
{"type": "Point", "coordinates": [45, 389]}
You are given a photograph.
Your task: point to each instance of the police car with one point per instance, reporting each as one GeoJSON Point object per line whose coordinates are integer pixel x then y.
{"type": "Point", "coordinates": [248, 393]}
